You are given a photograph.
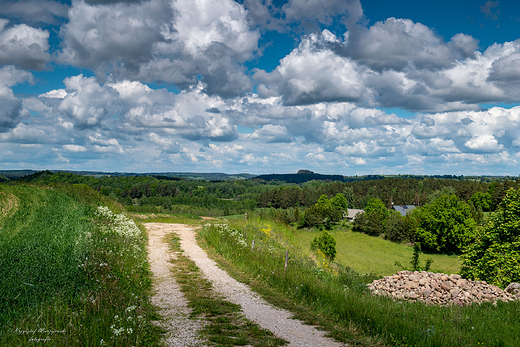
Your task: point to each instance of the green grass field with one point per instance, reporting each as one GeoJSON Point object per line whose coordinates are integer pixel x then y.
{"type": "Point", "coordinates": [368, 254]}
{"type": "Point", "coordinates": [72, 274]}
{"type": "Point", "coordinates": [338, 299]}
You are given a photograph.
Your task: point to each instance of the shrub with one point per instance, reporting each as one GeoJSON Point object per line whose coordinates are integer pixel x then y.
{"type": "Point", "coordinates": [446, 225]}
{"type": "Point", "coordinates": [322, 213]}
{"type": "Point", "coordinates": [325, 243]}
{"type": "Point", "coordinates": [495, 255]}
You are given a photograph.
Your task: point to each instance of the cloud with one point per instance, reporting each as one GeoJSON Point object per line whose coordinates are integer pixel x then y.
{"type": "Point", "coordinates": [109, 2]}
{"type": "Point", "coordinates": [170, 41]}
{"type": "Point", "coordinates": [313, 74]}
{"type": "Point", "coordinates": [272, 133]}
{"type": "Point", "coordinates": [397, 43]}
{"type": "Point", "coordinates": [487, 10]}
{"type": "Point", "coordinates": [87, 103]}
{"type": "Point", "coordinates": [11, 110]}
{"type": "Point", "coordinates": [484, 144]}
{"type": "Point", "coordinates": [320, 11]}
{"type": "Point", "coordinates": [400, 64]}
{"type": "Point", "coordinates": [74, 148]}
{"type": "Point", "coordinates": [35, 11]}
{"type": "Point", "coordinates": [23, 46]}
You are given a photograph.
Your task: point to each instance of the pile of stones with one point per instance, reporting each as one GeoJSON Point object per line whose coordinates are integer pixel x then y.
{"type": "Point", "coordinates": [439, 289]}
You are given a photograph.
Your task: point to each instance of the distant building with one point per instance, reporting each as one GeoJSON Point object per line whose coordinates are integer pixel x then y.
{"type": "Point", "coordinates": [403, 209]}
{"type": "Point", "coordinates": [351, 213]}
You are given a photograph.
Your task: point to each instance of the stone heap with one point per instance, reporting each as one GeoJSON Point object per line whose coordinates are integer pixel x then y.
{"type": "Point", "coordinates": [437, 289]}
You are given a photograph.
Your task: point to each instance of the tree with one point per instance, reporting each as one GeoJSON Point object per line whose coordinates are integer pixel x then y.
{"type": "Point", "coordinates": [348, 193]}
{"type": "Point", "coordinates": [376, 206]}
{"type": "Point", "coordinates": [438, 193]}
{"type": "Point", "coordinates": [495, 255]}
{"type": "Point", "coordinates": [394, 226]}
{"type": "Point", "coordinates": [372, 221]}
{"type": "Point", "coordinates": [446, 225]}
{"type": "Point", "coordinates": [339, 202]}
{"type": "Point", "coordinates": [481, 200]}
{"type": "Point", "coordinates": [325, 243]}
{"type": "Point", "coordinates": [322, 213]}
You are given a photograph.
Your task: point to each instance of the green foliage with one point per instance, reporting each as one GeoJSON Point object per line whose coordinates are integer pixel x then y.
{"type": "Point", "coordinates": [372, 221]}
{"type": "Point", "coordinates": [449, 190]}
{"type": "Point", "coordinates": [67, 267]}
{"type": "Point", "coordinates": [416, 265]}
{"type": "Point", "coordinates": [339, 202]}
{"type": "Point", "coordinates": [322, 213]}
{"type": "Point", "coordinates": [340, 302]}
{"type": "Point", "coordinates": [349, 195]}
{"type": "Point", "coordinates": [401, 228]}
{"type": "Point", "coordinates": [495, 255]}
{"type": "Point", "coordinates": [370, 224]}
{"type": "Point", "coordinates": [325, 243]}
{"type": "Point", "coordinates": [376, 206]}
{"type": "Point", "coordinates": [481, 201]}
{"type": "Point", "coordinates": [446, 225]}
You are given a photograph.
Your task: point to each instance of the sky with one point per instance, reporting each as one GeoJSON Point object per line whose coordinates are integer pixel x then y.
{"type": "Point", "coordinates": [347, 87]}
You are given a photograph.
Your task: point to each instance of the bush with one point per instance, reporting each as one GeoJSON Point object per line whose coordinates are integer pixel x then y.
{"type": "Point", "coordinates": [370, 224]}
{"type": "Point", "coordinates": [495, 255]}
{"type": "Point", "coordinates": [325, 243]}
{"type": "Point", "coordinates": [322, 213]}
{"type": "Point", "coordinates": [446, 225]}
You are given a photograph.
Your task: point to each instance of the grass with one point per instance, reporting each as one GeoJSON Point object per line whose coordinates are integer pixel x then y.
{"type": "Point", "coordinates": [72, 275]}
{"type": "Point", "coordinates": [338, 299]}
{"type": "Point", "coordinates": [165, 218]}
{"type": "Point", "coordinates": [226, 325]}
{"type": "Point", "coordinates": [368, 254]}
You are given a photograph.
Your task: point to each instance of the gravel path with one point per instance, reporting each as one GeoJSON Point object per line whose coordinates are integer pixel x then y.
{"type": "Point", "coordinates": [182, 331]}
{"type": "Point", "coordinates": [254, 308]}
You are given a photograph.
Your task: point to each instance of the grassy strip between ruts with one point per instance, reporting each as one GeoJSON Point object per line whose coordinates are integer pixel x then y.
{"type": "Point", "coordinates": [226, 325]}
{"type": "Point", "coordinates": [340, 300]}
{"type": "Point", "coordinates": [72, 274]}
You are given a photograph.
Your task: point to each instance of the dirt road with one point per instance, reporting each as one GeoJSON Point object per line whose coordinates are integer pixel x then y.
{"type": "Point", "coordinates": [254, 308]}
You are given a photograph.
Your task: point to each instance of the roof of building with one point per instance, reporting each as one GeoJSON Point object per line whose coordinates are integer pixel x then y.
{"type": "Point", "coordinates": [352, 212]}
{"type": "Point", "coordinates": [403, 209]}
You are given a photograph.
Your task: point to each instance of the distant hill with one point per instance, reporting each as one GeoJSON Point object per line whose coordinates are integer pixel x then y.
{"type": "Point", "coordinates": [211, 176]}
{"type": "Point", "coordinates": [300, 177]}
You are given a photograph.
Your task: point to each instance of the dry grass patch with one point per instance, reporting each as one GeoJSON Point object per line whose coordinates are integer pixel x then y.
{"type": "Point", "coordinates": [8, 204]}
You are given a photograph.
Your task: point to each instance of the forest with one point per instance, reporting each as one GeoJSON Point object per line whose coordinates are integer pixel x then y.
{"type": "Point", "coordinates": [305, 204]}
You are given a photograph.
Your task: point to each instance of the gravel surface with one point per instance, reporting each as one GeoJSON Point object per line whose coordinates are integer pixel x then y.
{"type": "Point", "coordinates": [182, 331]}
{"type": "Point", "coordinates": [254, 308]}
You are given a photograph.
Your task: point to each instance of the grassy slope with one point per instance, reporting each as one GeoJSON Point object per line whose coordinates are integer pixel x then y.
{"type": "Point", "coordinates": [68, 278]}
{"type": "Point", "coordinates": [341, 303]}
{"type": "Point", "coordinates": [368, 254]}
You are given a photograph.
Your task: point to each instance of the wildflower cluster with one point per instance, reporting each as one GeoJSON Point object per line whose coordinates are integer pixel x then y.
{"type": "Point", "coordinates": [124, 326]}
{"type": "Point", "coordinates": [224, 229]}
{"type": "Point", "coordinates": [323, 263]}
{"type": "Point", "coordinates": [118, 223]}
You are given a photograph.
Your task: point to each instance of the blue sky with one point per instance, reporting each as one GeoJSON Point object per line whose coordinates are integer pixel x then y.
{"type": "Point", "coordinates": [261, 86]}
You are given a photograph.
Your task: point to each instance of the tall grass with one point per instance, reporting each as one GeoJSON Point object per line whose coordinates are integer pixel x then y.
{"type": "Point", "coordinates": [72, 274]}
{"type": "Point", "coordinates": [341, 295]}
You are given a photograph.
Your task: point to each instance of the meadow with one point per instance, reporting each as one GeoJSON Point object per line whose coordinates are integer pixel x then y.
{"type": "Point", "coordinates": [337, 297]}
{"type": "Point", "coordinates": [74, 271]}
{"type": "Point", "coordinates": [368, 254]}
